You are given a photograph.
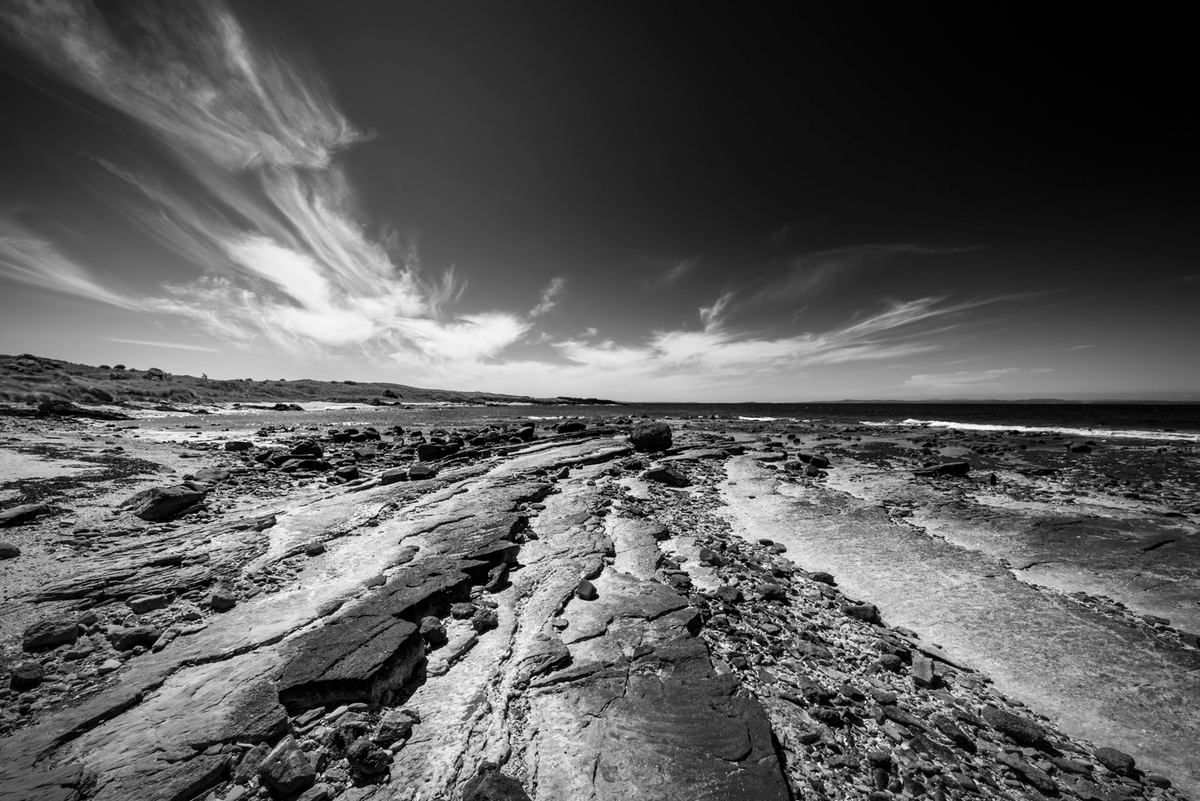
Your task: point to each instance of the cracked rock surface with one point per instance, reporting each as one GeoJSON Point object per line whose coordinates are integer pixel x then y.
{"type": "Point", "coordinates": [537, 615]}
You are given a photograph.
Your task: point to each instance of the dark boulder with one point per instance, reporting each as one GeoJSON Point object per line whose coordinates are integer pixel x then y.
{"type": "Point", "coordinates": [24, 513]}
{"type": "Point", "coordinates": [366, 757]}
{"type": "Point", "coordinates": [651, 437]}
{"type": "Point", "coordinates": [570, 427]}
{"type": "Point", "coordinates": [1118, 762]}
{"type": "Point", "coordinates": [124, 639]}
{"type": "Point", "coordinates": [222, 597]}
{"type": "Point", "coordinates": [868, 613]}
{"type": "Point", "coordinates": [50, 633]}
{"type": "Point", "coordinates": [525, 434]}
{"type": "Point", "coordinates": [8, 550]}
{"type": "Point", "coordinates": [238, 445]}
{"type": "Point", "coordinates": [26, 676]}
{"type": "Point", "coordinates": [393, 475]}
{"type": "Point", "coordinates": [163, 503]}
{"type": "Point", "coordinates": [814, 460]}
{"type": "Point", "coordinates": [307, 449]}
{"type": "Point", "coordinates": [431, 452]}
{"type": "Point", "coordinates": [1020, 729]}
{"type": "Point", "coordinates": [585, 590]}
{"type": "Point", "coordinates": [287, 770]}
{"type": "Point", "coordinates": [667, 475]}
{"type": "Point", "coordinates": [419, 471]}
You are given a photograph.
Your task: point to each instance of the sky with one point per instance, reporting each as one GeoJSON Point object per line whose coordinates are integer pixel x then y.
{"type": "Point", "coordinates": [639, 201]}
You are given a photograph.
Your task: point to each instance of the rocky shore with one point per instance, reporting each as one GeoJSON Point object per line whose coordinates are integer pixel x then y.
{"type": "Point", "coordinates": [593, 609]}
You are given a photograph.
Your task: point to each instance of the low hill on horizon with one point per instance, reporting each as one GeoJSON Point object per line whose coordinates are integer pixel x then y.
{"type": "Point", "coordinates": [34, 379]}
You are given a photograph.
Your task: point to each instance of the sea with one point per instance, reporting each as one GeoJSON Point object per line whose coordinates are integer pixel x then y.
{"type": "Point", "coordinates": [1167, 422]}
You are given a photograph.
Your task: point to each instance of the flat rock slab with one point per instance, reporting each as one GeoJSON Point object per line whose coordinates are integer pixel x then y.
{"type": "Point", "coordinates": [664, 725]}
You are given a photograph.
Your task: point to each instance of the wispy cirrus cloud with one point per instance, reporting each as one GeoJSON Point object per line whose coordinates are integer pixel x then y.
{"type": "Point", "coordinates": [153, 344]}
{"type": "Point", "coordinates": [268, 213]}
{"type": "Point", "coordinates": [665, 272]}
{"type": "Point", "coordinates": [970, 379]}
{"type": "Point", "coordinates": [806, 274]}
{"type": "Point", "coordinates": [719, 360]}
{"type": "Point", "coordinates": [549, 296]}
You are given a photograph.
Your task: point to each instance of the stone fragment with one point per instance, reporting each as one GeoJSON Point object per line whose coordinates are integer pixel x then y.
{"type": "Point", "coordinates": [238, 445]}
{"type": "Point", "coordinates": [813, 460]}
{"type": "Point", "coordinates": [8, 550]}
{"type": "Point", "coordinates": [26, 676]}
{"type": "Point", "coordinates": [419, 471]}
{"type": "Point", "coordinates": [24, 513]}
{"type": "Point", "coordinates": [729, 594]}
{"type": "Point", "coordinates": [366, 757]}
{"type": "Point", "coordinates": [667, 475]}
{"type": "Point", "coordinates": [307, 449]}
{"type": "Point", "coordinates": [433, 630]}
{"type": "Point", "coordinates": [769, 591]}
{"type": "Point", "coordinates": [287, 770]}
{"type": "Point", "coordinates": [222, 596]}
{"type": "Point", "coordinates": [247, 769]}
{"type": "Point", "coordinates": [141, 604]}
{"type": "Point", "coordinates": [1117, 761]}
{"type": "Point", "coordinates": [50, 633]}
{"type": "Point", "coordinates": [821, 577]}
{"type": "Point", "coordinates": [585, 590]}
{"type": "Point", "coordinates": [314, 548]}
{"type": "Point", "coordinates": [867, 613]}
{"type": "Point", "coordinates": [163, 503]}
{"type": "Point", "coordinates": [395, 725]}
{"type": "Point", "coordinates": [347, 472]}
{"type": "Point", "coordinates": [318, 792]}
{"type": "Point", "coordinates": [1029, 773]}
{"type": "Point", "coordinates": [484, 619]}
{"type": "Point", "coordinates": [124, 639]}
{"type": "Point", "coordinates": [1020, 729]}
{"type": "Point", "coordinates": [651, 437]}
{"type": "Point", "coordinates": [922, 671]}
{"type": "Point", "coordinates": [570, 427]}
{"type": "Point", "coordinates": [393, 475]}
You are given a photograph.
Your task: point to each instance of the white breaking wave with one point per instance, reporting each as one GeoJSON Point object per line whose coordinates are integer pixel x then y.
{"type": "Point", "coordinates": [1167, 436]}
{"type": "Point", "coordinates": [759, 419]}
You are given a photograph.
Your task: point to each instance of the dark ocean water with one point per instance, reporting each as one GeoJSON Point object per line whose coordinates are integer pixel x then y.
{"type": "Point", "coordinates": [1178, 422]}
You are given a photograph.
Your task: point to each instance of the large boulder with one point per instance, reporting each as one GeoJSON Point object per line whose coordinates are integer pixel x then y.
{"type": "Point", "coordinates": [651, 437]}
{"type": "Point", "coordinates": [8, 550]}
{"type": "Point", "coordinates": [163, 503]}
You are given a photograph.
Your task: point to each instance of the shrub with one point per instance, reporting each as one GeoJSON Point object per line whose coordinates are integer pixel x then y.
{"type": "Point", "coordinates": [120, 367]}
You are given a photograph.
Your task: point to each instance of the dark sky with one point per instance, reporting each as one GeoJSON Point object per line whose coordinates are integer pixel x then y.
{"type": "Point", "coordinates": [652, 201]}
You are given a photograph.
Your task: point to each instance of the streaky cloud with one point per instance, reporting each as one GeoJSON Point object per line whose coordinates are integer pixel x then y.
{"type": "Point", "coordinates": [808, 273]}
{"type": "Point", "coordinates": [270, 217]}
{"type": "Point", "coordinates": [153, 344]}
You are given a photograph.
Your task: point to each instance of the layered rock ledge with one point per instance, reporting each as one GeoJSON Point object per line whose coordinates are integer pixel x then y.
{"type": "Point", "coordinates": [554, 616]}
